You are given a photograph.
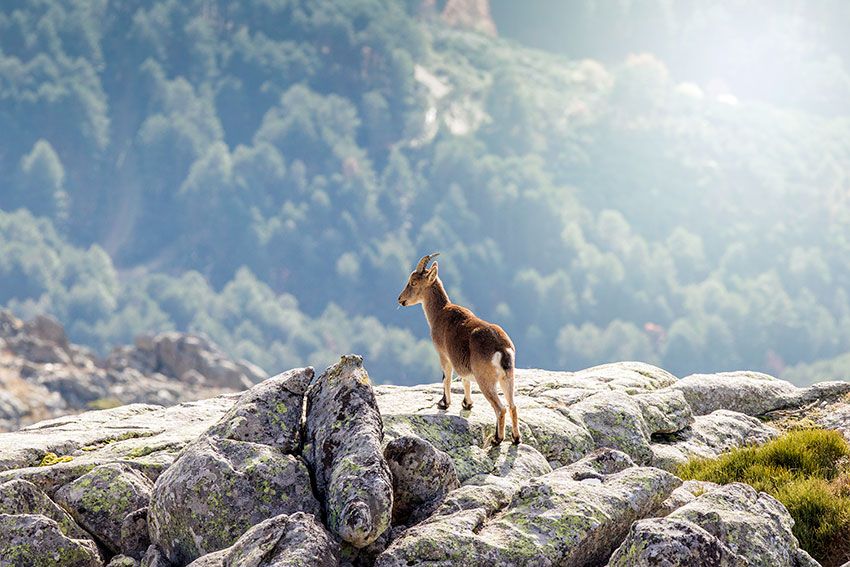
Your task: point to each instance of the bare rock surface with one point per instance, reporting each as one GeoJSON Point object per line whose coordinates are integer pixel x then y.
{"type": "Point", "coordinates": [422, 476]}
{"type": "Point", "coordinates": [143, 436]}
{"type": "Point", "coordinates": [750, 393]}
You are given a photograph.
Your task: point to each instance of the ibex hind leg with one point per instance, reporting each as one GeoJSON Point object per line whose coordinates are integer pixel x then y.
{"type": "Point", "coordinates": [446, 400]}
{"type": "Point", "coordinates": [506, 381]}
{"type": "Point", "coordinates": [467, 392]}
{"type": "Point", "coordinates": [487, 385]}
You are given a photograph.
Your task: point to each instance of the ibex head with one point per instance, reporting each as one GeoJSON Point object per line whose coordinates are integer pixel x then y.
{"type": "Point", "coordinates": [420, 279]}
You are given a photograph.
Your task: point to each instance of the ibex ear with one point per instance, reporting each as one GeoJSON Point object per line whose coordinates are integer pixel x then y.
{"type": "Point", "coordinates": [432, 272]}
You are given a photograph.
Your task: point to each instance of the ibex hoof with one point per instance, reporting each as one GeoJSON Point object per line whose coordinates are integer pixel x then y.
{"type": "Point", "coordinates": [497, 440]}
{"type": "Point", "coordinates": [517, 440]}
{"type": "Point", "coordinates": [466, 405]}
{"type": "Point", "coordinates": [442, 404]}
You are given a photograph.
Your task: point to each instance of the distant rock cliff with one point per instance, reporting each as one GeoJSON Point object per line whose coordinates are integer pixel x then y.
{"type": "Point", "coordinates": [43, 375]}
{"type": "Point", "coordinates": [327, 470]}
{"type": "Point", "coordinates": [467, 14]}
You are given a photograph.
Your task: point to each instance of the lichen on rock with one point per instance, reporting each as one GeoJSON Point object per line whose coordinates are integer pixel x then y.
{"type": "Point", "coordinates": [730, 525]}
{"type": "Point", "coordinates": [19, 496]}
{"type": "Point", "coordinates": [615, 420]}
{"type": "Point", "coordinates": [217, 489]}
{"type": "Point", "coordinates": [293, 540]}
{"type": "Point", "coordinates": [269, 413]}
{"type": "Point", "coordinates": [37, 541]}
{"type": "Point", "coordinates": [559, 518]}
{"type": "Point", "coordinates": [100, 499]}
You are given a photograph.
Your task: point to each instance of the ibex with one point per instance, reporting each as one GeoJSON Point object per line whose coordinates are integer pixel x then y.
{"type": "Point", "coordinates": [469, 345]}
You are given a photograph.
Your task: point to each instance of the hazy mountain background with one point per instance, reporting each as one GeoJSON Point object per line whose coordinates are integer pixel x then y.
{"type": "Point", "coordinates": [661, 180]}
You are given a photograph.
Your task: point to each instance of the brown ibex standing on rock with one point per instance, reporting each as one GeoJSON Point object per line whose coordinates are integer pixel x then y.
{"type": "Point", "coordinates": [471, 346]}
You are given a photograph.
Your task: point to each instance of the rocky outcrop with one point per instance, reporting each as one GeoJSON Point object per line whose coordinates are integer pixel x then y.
{"type": "Point", "coordinates": [32, 539]}
{"type": "Point", "coordinates": [328, 470]}
{"type": "Point", "coordinates": [750, 393]}
{"type": "Point", "coordinates": [343, 433]}
{"type": "Point", "coordinates": [422, 476]}
{"type": "Point", "coordinates": [240, 472]}
{"type": "Point", "coordinates": [22, 497]}
{"type": "Point", "coordinates": [190, 358]}
{"type": "Point", "coordinates": [729, 525]}
{"type": "Point", "coordinates": [470, 14]}
{"type": "Point", "coordinates": [283, 541]}
{"type": "Point", "coordinates": [101, 499]}
{"type": "Point", "coordinates": [574, 515]}
{"type": "Point", "coordinates": [44, 375]}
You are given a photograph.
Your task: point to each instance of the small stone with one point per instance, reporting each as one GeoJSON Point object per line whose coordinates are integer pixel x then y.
{"type": "Point", "coordinates": [123, 561]}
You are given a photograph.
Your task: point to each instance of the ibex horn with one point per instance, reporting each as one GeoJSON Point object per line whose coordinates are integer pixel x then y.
{"type": "Point", "coordinates": [424, 261]}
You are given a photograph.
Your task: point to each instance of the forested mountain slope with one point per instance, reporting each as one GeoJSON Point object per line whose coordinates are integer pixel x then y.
{"type": "Point", "coordinates": [268, 172]}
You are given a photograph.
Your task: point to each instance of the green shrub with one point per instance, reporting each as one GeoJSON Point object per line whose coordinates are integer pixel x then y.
{"type": "Point", "coordinates": [821, 518]}
{"type": "Point", "coordinates": [807, 470]}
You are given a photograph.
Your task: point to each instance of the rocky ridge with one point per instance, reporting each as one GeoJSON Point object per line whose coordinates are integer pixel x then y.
{"type": "Point", "coordinates": [329, 470]}
{"type": "Point", "coordinates": [43, 375]}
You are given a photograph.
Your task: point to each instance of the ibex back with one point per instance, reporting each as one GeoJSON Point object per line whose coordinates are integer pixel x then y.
{"type": "Point", "coordinates": [471, 346]}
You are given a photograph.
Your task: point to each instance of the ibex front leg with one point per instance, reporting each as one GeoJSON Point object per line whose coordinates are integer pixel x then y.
{"type": "Point", "coordinates": [446, 400]}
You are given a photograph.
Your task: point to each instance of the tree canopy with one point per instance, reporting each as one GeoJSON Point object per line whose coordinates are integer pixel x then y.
{"type": "Point", "coordinates": [268, 173]}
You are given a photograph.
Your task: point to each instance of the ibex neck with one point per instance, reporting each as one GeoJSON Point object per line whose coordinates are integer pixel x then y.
{"type": "Point", "coordinates": [435, 299]}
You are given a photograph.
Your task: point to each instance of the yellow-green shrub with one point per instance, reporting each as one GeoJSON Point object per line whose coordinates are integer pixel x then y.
{"type": "Point", "coordinates": [807, 470]}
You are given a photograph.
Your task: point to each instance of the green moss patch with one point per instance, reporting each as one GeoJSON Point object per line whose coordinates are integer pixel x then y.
{"type": "Point", "coordinates": [52, 459]}
{"type": "Point", "coordinates": [808, 470]}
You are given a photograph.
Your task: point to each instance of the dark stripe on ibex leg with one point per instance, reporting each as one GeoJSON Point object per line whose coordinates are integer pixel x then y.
{"type": "Point", "coordinates": [443, 403]}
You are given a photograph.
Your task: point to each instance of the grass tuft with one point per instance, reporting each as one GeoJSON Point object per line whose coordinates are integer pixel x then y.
{"type": "Point", "coordinates": [805, 469]}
